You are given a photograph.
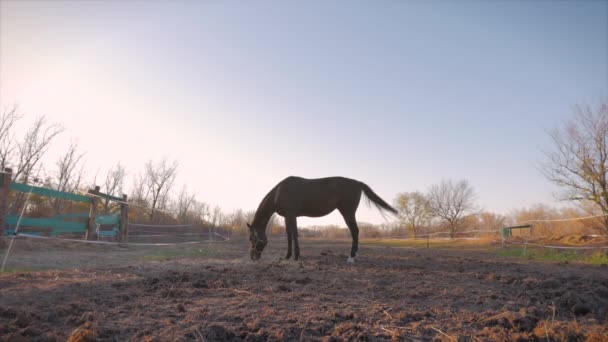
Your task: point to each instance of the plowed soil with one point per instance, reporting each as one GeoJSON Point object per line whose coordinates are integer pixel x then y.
{"type": "Point", "coordinates": [395, 294]}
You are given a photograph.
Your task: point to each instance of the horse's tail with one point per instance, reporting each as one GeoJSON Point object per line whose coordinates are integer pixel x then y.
{"type": "Point", "coordinates": [378, 202]}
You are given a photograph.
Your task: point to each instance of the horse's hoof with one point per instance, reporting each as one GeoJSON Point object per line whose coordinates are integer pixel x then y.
{"type": "Point", "coordinates": [350, 260]}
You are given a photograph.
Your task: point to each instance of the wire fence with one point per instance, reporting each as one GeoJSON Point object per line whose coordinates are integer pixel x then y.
{"type": "Point", "coordinates": [499, 236]}
{"type": "Point", "coordinates": [182, 235]}
{"type": "Point", "coordinates": [97, 242]}
{"type": "Point", "coordinates": [38, 251]}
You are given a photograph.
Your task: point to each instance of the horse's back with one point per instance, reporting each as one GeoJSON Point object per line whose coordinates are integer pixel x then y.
{"type": "Point", "coordinates": [316, 197]}
{"type": "Point", "coordinates": [335, 181]}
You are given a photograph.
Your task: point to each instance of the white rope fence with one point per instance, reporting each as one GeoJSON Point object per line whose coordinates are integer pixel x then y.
{"type": "Point", "coordinates": [562, 220]}
{"type": "Point", "coordinates": [10, 245]}
{"type": "Point", "coordinates": [526, 243]}
{"type": "Point", "coordinates": [499, 232]}
{"type": "Point", "coordinates": [225, 238]}
{"type": "Point", "coordinates": [555, 247]}
{"type": "Point", "coordinates": [97, 242]}
{"type": "Point", "coordinates": [142, 225]}
{"type": "Point", "coordinates": [161, 225]}
{"type": "Point", "coordinates": [462, 232]}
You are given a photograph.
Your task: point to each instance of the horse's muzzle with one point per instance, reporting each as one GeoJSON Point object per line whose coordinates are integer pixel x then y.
{"type": "Point", "coordinates": [256, 251]}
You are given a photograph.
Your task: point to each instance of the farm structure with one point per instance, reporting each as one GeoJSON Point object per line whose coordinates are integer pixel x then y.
{"type": "Point", "coordinates": [88, 224]}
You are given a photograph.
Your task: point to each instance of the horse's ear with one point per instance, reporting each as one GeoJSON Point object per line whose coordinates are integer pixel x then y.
{"type": "Point", "coordinates": [248, 225]}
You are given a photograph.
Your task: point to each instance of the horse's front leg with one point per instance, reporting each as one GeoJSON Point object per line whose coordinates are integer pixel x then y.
{"type": "Point", "coordinates": [292, 226]}
{"type": "Point", "coordinates": [289, 239]}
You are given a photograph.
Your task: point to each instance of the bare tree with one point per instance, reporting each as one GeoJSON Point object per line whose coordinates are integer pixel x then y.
{"type": "Point", "coordinates": [414, 210]}
{"type": "Point", "coordinates": [70, 171]}
{"type": "Point", "coordinates": [452, 202]}
{"type": "Point", "coordinates": [34, 145]}
{"type": "Point", "coordinates": [215, 216]}
{"type": "Point", "coordinates": [159, 179]}
{"type": "Point", "coordinates": [491, 221]}
{"type": "Point", "coordinates": [139, 191]}
{"type": "Point", "coordinates": [8, 118]}
{"type": "Point", "coordinates": [30, 151]}
{"type": "Point", "coordinates": [538, 215]}
{"type": "Point", "coordinates": [238, 221]}
{"type": "Point", "coordinates": [138, 197]}
{"type": "Point", "coordinates": [200, 211]}
{"type": "Point", "coordinates": [185, 202]}
{"type": "Point", "coordinates": [113, 185]}
{"type": "Point", "coordinates": [578, 163]}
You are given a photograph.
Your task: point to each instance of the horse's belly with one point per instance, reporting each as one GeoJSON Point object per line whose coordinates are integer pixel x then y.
{"type": "Point", "coordinates": [317, 213]}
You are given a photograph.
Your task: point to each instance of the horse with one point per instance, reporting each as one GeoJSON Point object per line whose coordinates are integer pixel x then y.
{"type": "Point", "coordinates": [295, 196]}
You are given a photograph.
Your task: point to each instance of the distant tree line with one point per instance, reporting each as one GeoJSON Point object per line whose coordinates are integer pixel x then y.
{"type": "Point", "coordinates": [153, 193]}
{"type": "Point", "coordinates": [577, 163]}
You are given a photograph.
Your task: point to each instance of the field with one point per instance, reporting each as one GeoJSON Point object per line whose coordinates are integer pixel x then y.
{"type": "Point", "coordinates": [59, 291]}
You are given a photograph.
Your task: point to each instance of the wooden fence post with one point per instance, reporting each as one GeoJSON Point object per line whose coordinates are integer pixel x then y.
{"type": "Point", "coordinates": [92, 213]}
{"type": "Point", "coordinates": [124, 219]}
{"type": "Point", "coordinates": [4, 191]}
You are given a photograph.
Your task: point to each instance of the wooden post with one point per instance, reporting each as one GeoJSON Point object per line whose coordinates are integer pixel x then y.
{"type": "Point", "coordinates": [92, 213]}
{"type": "Point", "coordinates": [124, 220]}
{"type": "Point", "coordinates": [4, 191]}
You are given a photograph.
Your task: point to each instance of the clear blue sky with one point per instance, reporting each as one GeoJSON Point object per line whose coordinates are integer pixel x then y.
{"type": "Point", "coordinates": [398, 94]}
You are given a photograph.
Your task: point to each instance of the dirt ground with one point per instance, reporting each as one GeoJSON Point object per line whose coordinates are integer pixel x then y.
{"type": "Point", "coordinates": [215, 293]}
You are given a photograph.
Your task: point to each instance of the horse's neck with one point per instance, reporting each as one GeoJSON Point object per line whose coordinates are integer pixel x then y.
{"type": "Point", "coordinates": [264, 211]}
{"type": "Point", "coordinates": [261, 218]}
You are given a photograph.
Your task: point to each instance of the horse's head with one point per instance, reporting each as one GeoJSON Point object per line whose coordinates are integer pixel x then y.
{"type": "Point", "coordinates": [257, 242]}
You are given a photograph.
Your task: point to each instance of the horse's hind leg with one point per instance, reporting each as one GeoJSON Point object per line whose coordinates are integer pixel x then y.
{"type": "Point", "coordinates": [351, 222]}
{"type": "Point", "coordinates": [289, 239]}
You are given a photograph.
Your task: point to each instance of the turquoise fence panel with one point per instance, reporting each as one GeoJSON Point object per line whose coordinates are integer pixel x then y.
{"type": "Point", "coordinates": [108, 233]}
{"type": "Point", "coordinates": [54, 224]}
{"type": "Point", "coordinates": [107, 219]}
{"type": "Point", "coordinates": [58, 226]}
{"type": "Point", "coordinates": [49, 192]}
{"type": "Point", "coordinates": [63, 230]}
{"type": "Point", "coordinates": [73, 215]}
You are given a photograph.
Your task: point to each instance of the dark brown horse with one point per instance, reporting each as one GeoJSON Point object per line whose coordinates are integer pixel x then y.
{"type": "Point", "coordinates": [295, 196]}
